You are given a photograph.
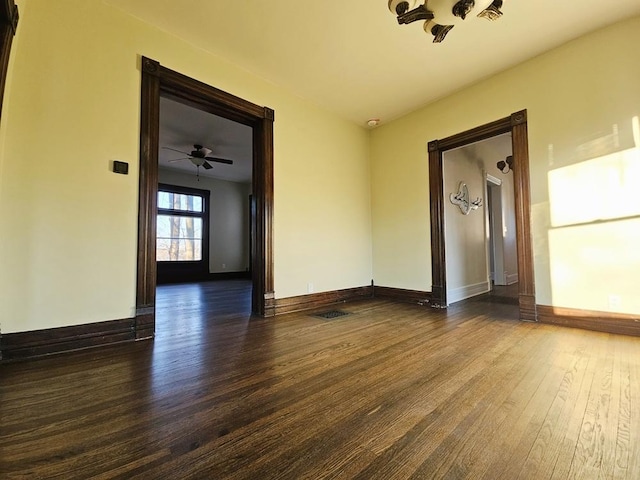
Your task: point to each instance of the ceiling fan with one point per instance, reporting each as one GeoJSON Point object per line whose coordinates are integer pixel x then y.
{"type": "Point", "coordinates": [199, 157]}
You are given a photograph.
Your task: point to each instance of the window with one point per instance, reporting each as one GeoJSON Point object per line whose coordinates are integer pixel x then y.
{"type": "Point", "coordinates": [179, 226]}
{"type": "Point", "coordinates": [182, 232]}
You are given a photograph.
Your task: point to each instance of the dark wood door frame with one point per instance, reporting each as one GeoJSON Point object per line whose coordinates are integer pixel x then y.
{"type": "Point", "coordinates": [516, 123]}
{"type": "Point", "coordinates": [8, 25]}
{"type": "Point", "coordinates": [160, 81]}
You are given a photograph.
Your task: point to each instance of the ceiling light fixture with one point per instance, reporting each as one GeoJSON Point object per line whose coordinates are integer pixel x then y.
{"type": "Point", "coordinates": [440, 16]}
{"type": "Point", "coordinates": [374, 122]}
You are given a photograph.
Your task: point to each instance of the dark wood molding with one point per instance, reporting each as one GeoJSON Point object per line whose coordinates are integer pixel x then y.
{"type": "Point", "coordinates": [150, 66]}
{"type": "Point", "coordinates": [25, 345]}
{"type": "Point", "coordinates": [522, 195]}
{"type": "Point", "coordinates": [148, 188]}
{"type": "Point", "coordinates": [402, 295]}
{"type": "Point", "coordinates": [527, 304]}
{"type": "Point", "coordinates": [438, 254]}
{"type": "Point", "coordinates": [157, 81]}
{"type": "Point", "coordinates": [229, 276]}
{"type": "Point", "coordinates": [269, 114]}
{"type": "Point", "coordinates": [204, 277]}
{"type": "Point", "coordinates": [319, 300]}
{"type": "Point", "coordinates": [145, 323]}
{"type": "Point", "coordinates": [475, 134]}
{"type": "Point", "coordinates": [620, 323]}
{"type": "Point", "coordinates": [516, 123]}
{"type": "Point", "coordinates": [519, 118]}
{"type": "Point", "coordinates": [8, 25]}
{"type": "Point", "coordinates": [262, 217]}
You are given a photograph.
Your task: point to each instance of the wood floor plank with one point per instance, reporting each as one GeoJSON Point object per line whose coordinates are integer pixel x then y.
{"type": "Point", "coordinates": [627, 464]}
{"type": "Point", "coordinates": [590, 448]}
{"type": "Point", "coordinates": [390, 391]}
{"type": "Point", "coordinates": [541, 461]}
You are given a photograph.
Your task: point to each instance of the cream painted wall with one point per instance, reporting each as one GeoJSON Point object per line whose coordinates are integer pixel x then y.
{"type": "Point", "coordinates": [228, 219]}
{"type": "Point", "coordinates": [68, 244]}
{"type": "Point", "coordinates": [574, 95]}
{"type": "Point", "coordinates": [465, 235]}
{"type": "Point", "coordinates": [490, 151]}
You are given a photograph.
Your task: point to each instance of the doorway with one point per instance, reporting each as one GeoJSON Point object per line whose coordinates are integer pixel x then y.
{"type": "Point", "coordinates": [501, 251]}
{"type": "Point", "coordinates": [159, 81]}
{"type": "Point", "coordinates": [516, 125]}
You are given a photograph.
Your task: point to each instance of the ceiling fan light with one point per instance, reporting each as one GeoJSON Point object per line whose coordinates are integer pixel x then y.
{"type": "Point", "coordinates": [419, 13]}
{"type": "Point", "coordinates": [445, 11]}
{"type": "Point", "coordinates": [438, 31]}
{"type": "Point", "coordinates": [492, 12]}
{"type": "Point", "coordinates": [399, 7]}
{"type": "Point", "coordinates": [463, 7]}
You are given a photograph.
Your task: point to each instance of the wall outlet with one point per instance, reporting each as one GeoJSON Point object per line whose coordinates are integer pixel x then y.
{"type": "Point", "coordinates": [615, 302]}
{"type": "Point", "coordinates": [310, 288]}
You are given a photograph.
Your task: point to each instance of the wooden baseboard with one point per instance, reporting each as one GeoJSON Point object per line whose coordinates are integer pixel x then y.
{"type": "Point", "coordinates": [24, 345]}
{"type": "Point", "coordinates": [319, 300]}
{"type": "Point", "coordinates": [230, 276]}
{"type": "Point", "coordinates": [620, 323]}
{"type": "Point", "coordinates": [528, 310]}
{"type": "Point", "coordinates": [170, 278]}
{"type": "Point", "coordinates": [402, 295]}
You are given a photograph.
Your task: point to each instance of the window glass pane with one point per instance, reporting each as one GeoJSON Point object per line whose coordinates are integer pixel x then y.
{"type": "Point", "coordinates": [179, 201]}
{"type": "Point", "coordinates": [178, 238]}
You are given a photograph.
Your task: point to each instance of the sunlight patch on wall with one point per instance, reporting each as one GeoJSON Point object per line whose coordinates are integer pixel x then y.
{"type": "Point", "coordinates": [594, 210]}
{"type": "Point", "coordinates": [604, 188]}
{"type": "Point", "coordinates": [594, 266]}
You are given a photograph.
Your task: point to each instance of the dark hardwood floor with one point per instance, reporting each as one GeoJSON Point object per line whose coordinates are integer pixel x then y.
{"type": "Point", "coordinates": [500, 294]}
{"type": "Point", "coordinates": [391, 391]}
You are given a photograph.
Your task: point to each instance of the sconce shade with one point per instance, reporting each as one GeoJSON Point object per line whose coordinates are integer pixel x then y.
{"type": "Point", "coordinates": [506, 165]}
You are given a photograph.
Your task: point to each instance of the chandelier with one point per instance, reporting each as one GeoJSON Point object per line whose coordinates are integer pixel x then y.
{"type": "Point", "coordinates": [440, 16]}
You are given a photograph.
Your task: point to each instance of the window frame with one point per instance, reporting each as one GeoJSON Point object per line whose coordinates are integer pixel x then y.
{"type": "Point", "coordinates": [169, 271]}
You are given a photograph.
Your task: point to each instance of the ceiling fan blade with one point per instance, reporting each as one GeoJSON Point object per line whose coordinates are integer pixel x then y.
{"type": "Point", "coordinates": [207, 166]}
{"type": "Point", "coordinates": [174, 150]}
{"type": "Point", "coordinates": [220, 160]}
{"type": "Point", "coordinates": [177, 159]}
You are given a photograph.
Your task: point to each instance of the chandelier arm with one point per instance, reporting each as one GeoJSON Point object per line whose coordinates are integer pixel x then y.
{"type": "Point", "coordinates": [418, 13]}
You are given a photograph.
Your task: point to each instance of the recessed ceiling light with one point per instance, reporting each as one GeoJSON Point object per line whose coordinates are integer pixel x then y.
{"type": "Point", "coordinates": [374, 122]}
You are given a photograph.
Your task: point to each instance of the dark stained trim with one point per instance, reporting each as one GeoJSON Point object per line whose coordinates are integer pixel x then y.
{"type": "Point", "coordinates": [8, 25]}
{"type": "Point", "coordinates": [619, 323]}
{"type": "Point", "coordinates": [25, 345]}
{"type": "Point", "coordinates": [319, 300]}
{"type": "Point", "coordinates": [207, 277]}
{"type": "Point", "coordinates": [160, 81]}
{"type": "Point", "coordinates": [402, 295]}
{"type": "Point", "coordinates": [229, 276]}
{"type": "Point", "coordinates": [517, 125]}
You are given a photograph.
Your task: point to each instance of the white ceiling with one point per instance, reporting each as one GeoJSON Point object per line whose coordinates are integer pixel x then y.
{"type": "Point", "coordinates": [351, 56]}
{"type": "Point", "coordinates": [181, 127]}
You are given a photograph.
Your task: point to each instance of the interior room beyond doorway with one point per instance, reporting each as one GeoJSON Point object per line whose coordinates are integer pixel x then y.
{"type": "Point", "coordinates": [480, 238]}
